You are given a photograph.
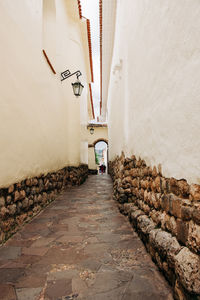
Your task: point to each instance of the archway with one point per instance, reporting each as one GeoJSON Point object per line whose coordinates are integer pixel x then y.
{"type": "Point", "coordinates": [101, 155]}
{"type": "Point", "coordinates": [97, 155]}
{"type": "Point", "coordinates": [99, 134]}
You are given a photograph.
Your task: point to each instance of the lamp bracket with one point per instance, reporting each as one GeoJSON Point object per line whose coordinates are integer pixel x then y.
{"type": "Point", "coordinates": [66, 74]}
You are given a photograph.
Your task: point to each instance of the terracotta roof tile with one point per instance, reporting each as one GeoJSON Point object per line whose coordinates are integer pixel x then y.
{"type": "Point", "coordinates": [90, 52]}
{"type": "Point", "coordinates": [79, 8]}
{"type": "Point", "coordinates": [89, 39]}
{"type": "Point", "coordinates": [100, 25]}
{"type": "Point", "coordinates": [90, 49]}
{"type": "Point", "coordinates": [91, 99]}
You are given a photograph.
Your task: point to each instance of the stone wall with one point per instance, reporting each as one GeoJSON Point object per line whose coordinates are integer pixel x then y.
{"type": "Point", "coordinates": [21, 201]}
{"type": "Point", "coordinates": [166, 214]}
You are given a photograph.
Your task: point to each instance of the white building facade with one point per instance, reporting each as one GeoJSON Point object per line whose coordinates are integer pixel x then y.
{"type": "Point", "coordinates": [154, 127]}
{"type": "Point", "coordinates": [43, 125]}
{"type": "Point", "coordinates": [153, 95]}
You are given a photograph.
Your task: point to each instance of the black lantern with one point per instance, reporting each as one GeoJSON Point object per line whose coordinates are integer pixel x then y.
{"type": "Point", "coordinates": [91, 130]}
{"type": "Point", "coordinates": [77, 86]}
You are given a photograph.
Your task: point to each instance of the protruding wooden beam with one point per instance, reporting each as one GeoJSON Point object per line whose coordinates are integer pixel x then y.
{"type": "Point", "coordinates": [48, 61]}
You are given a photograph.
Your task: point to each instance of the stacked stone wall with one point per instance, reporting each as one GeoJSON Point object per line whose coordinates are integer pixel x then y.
{"type": "Point", "coordinates": [166, 214]}
{"type": "Point", "coordinates": [21, 201]}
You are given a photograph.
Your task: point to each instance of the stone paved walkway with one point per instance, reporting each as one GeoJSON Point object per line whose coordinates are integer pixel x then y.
{"type": "Point", "coordinates": [80, 247]}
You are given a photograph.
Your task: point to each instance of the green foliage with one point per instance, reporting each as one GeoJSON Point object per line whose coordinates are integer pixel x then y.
{"type": "Point", "coordinates": [96, 158]}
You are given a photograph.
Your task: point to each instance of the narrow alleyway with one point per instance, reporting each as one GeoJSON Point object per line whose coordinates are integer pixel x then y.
{"type": "Point", "coordinates": [80, 247]}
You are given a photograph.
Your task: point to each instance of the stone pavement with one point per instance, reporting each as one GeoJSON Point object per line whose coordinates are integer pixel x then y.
{"type": "Point", "coordinates": [80, 247]}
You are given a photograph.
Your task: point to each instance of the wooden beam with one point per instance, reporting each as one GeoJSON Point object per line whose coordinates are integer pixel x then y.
{"type": "Point", "coordinates": [48, 61]}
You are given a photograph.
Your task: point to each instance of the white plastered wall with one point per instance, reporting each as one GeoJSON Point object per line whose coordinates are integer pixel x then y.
{"type": "Point", "coordinates": [40, 118]}
{"type": "Point", "coordinates": [154, 90]}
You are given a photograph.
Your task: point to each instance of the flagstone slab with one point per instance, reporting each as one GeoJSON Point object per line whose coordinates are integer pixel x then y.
{"type": "Point", "coordinates": [9, 252]}
{"type": "Point", "coordinates": [58, 288]}
{"type": "Point", "coordinates": [80, 248]}
{"type": "Point", "coordinates": [40, 251]}
{"type": "Point", "coordinates": [10, 275]}
{"type": "Point", "coordinates": [28, 293]}
{"type": "Point", "coordinates": [7, 292]}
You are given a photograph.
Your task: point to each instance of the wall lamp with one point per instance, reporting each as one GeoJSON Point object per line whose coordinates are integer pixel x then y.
{"type": "Point", "coordinates": [91, 130]}
{"type": "Point", "coordinates": [77, 85]}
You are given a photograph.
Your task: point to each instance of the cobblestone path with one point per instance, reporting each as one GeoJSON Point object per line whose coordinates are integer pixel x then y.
{"type": "Point", "coordinates": [80, 247]}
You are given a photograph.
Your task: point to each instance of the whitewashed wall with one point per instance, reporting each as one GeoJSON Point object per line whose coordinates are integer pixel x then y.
{"type": "Point", "coordinates": [40, 118]}
{"type": "Point", "coordinates": [154, 93]}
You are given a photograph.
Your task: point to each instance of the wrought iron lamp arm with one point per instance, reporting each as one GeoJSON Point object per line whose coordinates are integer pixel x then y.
{"type": "Point", "coordinates": [66, 74]}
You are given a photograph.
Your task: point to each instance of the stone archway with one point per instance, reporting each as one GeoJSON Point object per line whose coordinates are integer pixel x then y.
{"type": "Point", "coordinates": [99, 134]}
{"type": "Point", "coordinates": [100, 149]}
{"type": "Point", "coordinates": [100, 140]}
